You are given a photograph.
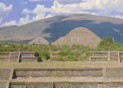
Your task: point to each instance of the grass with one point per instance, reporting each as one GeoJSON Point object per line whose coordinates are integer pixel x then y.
{"type": "Point", "coordinates": [66, 79]}
{"type": "Point", "coordinates": [60, 64]}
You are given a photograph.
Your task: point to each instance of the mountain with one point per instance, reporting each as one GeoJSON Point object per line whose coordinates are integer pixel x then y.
{"type": "Point", "coordinates": [79, 36]}
{"type": "Point", "coordinates": [56, 27]}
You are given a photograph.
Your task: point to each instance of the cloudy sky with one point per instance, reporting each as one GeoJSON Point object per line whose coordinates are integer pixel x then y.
{"type": "Point", "coordinates": [20, 12]}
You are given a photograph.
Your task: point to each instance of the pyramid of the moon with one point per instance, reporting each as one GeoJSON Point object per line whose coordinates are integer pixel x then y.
{"type": "Point", "coordinates": [39, 40]}
{"type": "Point", "coordinates": [79, 36]}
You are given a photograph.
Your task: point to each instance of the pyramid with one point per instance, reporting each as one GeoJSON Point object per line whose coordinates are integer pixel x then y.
{"type": "Point", "coordinates": [79, 36]}
{"type": "Point", "coordinates": [39, 40]}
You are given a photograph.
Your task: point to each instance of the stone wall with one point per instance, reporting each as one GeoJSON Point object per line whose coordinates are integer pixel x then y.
{"type": "Point", "coordinates": [29, 59]}
{"type": "Point", "coordinates": [34, 73]}
{"type": "Point", "coordinates": [2, 84]}
{"type": "Point", "coordinates": [31, 85]}
{"type": "Point", "coordinates": [4, 57]}
{"type": "Point", "coordinates": [114, 73]}
{"type": "Point", "coordinates": [113, 56]}
{"type": "Point", "coordinates": [69, 85]}
{"type": "Point", "coordinates": [5, 74]}
{"type": "Point", "coordinates": [109, 77]}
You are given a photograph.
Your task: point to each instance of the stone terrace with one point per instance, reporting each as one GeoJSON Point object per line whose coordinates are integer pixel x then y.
{"type": "Point", "coordinates": [97, 73]}
{"type": "Point", "coordinates": [62, 75]}
{"type": "Point", "coordinates": [18, 57]}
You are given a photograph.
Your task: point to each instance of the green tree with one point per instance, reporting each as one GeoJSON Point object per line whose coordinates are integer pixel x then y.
{"type": "Point", "coordinates": [106, 43]}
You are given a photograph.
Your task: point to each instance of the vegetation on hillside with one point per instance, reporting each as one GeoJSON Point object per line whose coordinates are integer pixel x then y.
{"type": "Point", "coordinates": [62, 53]}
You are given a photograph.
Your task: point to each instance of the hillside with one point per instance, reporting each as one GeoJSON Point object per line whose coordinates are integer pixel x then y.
{"type": "Point", "coordinates": [56, 27]}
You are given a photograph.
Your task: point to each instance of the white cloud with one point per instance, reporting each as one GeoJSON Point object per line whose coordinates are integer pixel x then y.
{"type": "Point", "coordinates": [40, 9]}
{"type": "Point", "coordinates": [113, 8]}
{"type": "Point", "coordinates": [38, 17]}
{"type": "Point", "coordinates": [100, 7]}
{"type": "Point", "coordinates": [24, 20]}
{"type": "Point", "coordinates": [12, 22]}
{"type": "Point", "coordinates": [49, 15]}
{"type": "Point", "coordinates": [4, 8]}
{"type": "Point", "coordinates": [41, 12]}
{"type": "Point", "coordinates": [26, 11]}
{"type": "Point", "coordinates": [96, 7]}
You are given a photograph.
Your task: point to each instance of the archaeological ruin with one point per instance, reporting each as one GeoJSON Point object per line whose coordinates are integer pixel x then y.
{"type": "Point", "coordinates": [104, 69]}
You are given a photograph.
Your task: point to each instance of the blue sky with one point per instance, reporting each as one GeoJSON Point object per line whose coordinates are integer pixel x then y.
{"type": "Point", "coordinates": [20, 12]}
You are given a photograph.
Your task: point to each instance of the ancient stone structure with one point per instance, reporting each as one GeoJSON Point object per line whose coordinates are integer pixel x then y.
{"type": "Point", "coordinates": [28, 57]}
{"type": "Point", "coordinates": [18, 57]}
{"type": "Point", "coordinates": [39, 40]}
{"type": "Point", "coordinates": [79, 36]}
{"type": "Point", "coordinates": [91, 77]}
{"type": "Point", "coordinates": [86, 75]}
{"type": "Point", "coordinates": [107, 56]}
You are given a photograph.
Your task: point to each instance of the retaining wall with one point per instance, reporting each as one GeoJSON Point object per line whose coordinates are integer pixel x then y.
{"type": "Point", "coordinates": [69, 85]}
{"type": "Point", "coordinates": [84, 72]}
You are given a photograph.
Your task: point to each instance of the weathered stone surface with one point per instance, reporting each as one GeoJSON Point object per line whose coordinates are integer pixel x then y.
{"type": "Point", "coordinates": [39, 40]}
{"type": "Point", "coordinates": [4, 74]}
{"type": "Point", "coordinates": [35, 73]}
{"type": "Point", "coordinates": [2, 85]}
{"type": "Point", "coordinates": [79, 36]}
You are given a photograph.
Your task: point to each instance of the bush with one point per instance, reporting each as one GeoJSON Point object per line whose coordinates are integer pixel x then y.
{"type": "Point", "coordinates": [106, 44]}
